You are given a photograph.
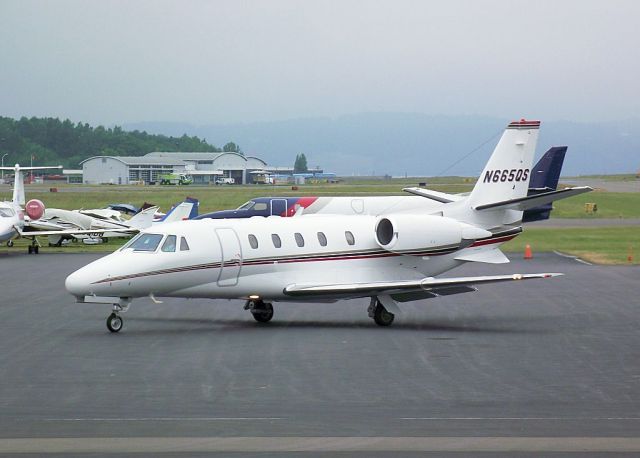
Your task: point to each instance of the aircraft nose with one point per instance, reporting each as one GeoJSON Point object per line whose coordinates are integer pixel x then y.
{"type": "Point", "coordinates": [78, 283]}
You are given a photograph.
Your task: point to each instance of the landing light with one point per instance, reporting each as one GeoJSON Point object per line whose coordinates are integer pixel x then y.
{"type": "Point", "coordinates": [254, 297]}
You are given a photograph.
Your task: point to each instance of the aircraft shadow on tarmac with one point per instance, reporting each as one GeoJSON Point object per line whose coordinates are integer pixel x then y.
{"type": "Point", "coordinates": [493, 325]}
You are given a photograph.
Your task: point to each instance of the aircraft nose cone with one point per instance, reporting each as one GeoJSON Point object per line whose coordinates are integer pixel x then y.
{"type": "Point", "coordinates": [78, 283]}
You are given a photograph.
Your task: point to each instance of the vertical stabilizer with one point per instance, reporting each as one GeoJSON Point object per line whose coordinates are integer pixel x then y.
{"type": "Point", "coordinates": [18, 187]}
{"type": "Point", "coordinates": [507, 174]}
{"type": "Point", "coordinates": [18, 181]}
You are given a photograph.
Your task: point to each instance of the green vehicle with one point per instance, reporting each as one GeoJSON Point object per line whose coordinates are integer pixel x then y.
{"type": "Point", "coordinates": [181, 179]}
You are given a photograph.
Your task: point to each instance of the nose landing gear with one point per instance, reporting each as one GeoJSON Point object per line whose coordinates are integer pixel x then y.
{"type": "Point", "coordinates": [262, 311]}
{"type": "Point", "coordinates": [114, 322]}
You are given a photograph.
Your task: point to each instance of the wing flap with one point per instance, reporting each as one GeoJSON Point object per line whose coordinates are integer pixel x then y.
{"type": "Point", "coordinates": [435, 286]}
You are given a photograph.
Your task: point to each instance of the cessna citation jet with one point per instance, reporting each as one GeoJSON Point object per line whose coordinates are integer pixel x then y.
{"type": "Point", "coordinates": [545, 176]}
{"type": "Point", "coordinates": [390, 258]}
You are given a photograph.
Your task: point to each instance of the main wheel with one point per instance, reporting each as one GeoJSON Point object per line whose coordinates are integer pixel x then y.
{"type": "Point", "coordinates": [30, 249]}
{"type": "Point", "coordinates": [382, 316]}
{"type": "Point", "coordinates": [264, 313]}
{"type": "Point", "coordinates": [114, 322]}
{"type": "Point", "coordinates": [10, 243]}
{"type": "Point", "coordinates": [36, 249]}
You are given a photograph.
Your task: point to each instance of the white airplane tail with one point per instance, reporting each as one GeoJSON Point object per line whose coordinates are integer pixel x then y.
{"type": "Point", "coordinates": [143, 219]}
{"type": "Point", "coordinates": [18, 182]}
{"type": "Point", "coordinates": [506, 175]}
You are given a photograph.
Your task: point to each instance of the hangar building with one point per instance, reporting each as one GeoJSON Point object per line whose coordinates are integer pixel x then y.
{"type": "Point", "coordinates": [203, 167]}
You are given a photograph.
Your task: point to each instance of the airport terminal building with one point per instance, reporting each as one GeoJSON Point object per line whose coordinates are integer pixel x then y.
{"type": "Point", "coordinates": [205, 168]}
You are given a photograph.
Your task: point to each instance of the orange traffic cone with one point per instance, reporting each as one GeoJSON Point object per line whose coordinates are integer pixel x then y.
{"type": "Point", "coordinates": [527, 252]}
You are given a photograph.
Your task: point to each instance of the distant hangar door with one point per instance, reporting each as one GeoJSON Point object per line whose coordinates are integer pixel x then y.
{"type": "Point", "coordinates": [231, 254]}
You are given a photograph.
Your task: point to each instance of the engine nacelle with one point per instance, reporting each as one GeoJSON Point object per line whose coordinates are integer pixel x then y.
{"type": "Point", "coordinates": [34, 209]}
{"type": "Point", "coordinates": [400, 232]}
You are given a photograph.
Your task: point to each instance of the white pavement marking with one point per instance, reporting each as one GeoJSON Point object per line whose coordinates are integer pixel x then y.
{"type": "Point", "coordinates": [317, 444]}
{"type": "Point", "coordinates": [570, 256]}
{"type": "Point", "coordinates": [524, 418]}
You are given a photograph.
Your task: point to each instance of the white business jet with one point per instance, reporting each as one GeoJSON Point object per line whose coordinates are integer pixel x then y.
{"type": "Point", "coordinates": [13, 224]}
{"type": "Point", "coordinates": [11, 212]}
{"type": "Point", "coordinates": [390, 258]}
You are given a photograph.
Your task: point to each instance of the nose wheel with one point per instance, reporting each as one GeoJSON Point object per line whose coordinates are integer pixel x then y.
{"type": "Point", "coordinates": [262, 311]}
{"type": "Point", "coordinates": [114, 322]}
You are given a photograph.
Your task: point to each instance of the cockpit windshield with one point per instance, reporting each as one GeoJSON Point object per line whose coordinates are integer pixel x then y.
{"type": "Point", "coordinates": [144, 242]}
{"type": "Point", "coordinates": [247, 205]}
{"type": "Point", "coordinates": [130, 242]}
{"type": "Point", "coordinates": [6, 212]}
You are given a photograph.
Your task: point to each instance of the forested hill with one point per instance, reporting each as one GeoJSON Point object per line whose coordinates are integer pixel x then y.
{"type": "Point", "coordinates": [52, 142]}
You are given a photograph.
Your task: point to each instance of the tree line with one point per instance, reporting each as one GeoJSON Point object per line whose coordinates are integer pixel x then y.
{"type": "Point", "coordinates": [52, 141]}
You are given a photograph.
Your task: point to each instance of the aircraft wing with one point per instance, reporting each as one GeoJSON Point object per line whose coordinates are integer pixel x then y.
{"type": "Point", "coordinates": [435, 286]}
{"type": "Point", "coordinates": [524, 203]}
{"type": "Point", "coordinates": [72, 232]}
{"type": "Point", "coordinates": [434, 195]}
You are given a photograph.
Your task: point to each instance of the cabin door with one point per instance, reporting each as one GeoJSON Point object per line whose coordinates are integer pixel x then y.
{"type": "Point", "coordinates": [231, 256]}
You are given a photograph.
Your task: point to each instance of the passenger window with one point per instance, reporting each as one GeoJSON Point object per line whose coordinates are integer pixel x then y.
{"type": "Point", "coordinates": [350, 239]}
{"type": "Point", "coordinates": [322, 239]}
{"type": "Point", "coordinates": [299, 239]}
{"type": "Point", "coordinates": [253, 241]}
{"type": "Point", "coordinates": [169, 245]}
{"type": "Point", "coordinates": [184, 246]}
{"type": "Point", "coordinates": [260, 206]}
{"type": "Point", "coordinates": [276, 240]}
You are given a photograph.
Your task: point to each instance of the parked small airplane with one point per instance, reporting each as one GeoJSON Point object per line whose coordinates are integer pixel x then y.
{"type": "Point", "coordinates": [390, 258]}
{"type": "Point", "coordinates": [544, 177]}
{"type": "Point", "coordinates": [29, 223]}
{"type": "Point", "coordinates": [11, 213]}
{"type": "Point", "coordinates": [106, 220]}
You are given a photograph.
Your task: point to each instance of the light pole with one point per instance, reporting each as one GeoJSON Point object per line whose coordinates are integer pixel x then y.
{"type": "Point", "coordinates": [2, 179]}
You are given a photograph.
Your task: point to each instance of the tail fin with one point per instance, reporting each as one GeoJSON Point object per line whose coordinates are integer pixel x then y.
{"type": "Point", "coordinates": [18, 181]}
{"type": "Point", "coordinates": [506, 176]}
{"type": "Point", "coordinates": [142, 219]}
{"type": "Point", "coordinates": [184, 210]}
{"type": "Point", "coordinates": [545, 175]}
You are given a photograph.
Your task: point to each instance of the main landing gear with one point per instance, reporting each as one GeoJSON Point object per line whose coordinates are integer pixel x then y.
{"type": "Point", "coordinates": [380, 315]}
{"type": "Point", "coordinates": [261, 311]}
{"type": "Point", "coordinates": [10, 243]}
{"type": "Point", "coordinates": [34, 247]}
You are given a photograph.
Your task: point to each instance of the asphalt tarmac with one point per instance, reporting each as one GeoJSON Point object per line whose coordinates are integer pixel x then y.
{"type": "Point", "coordinates": [523, 368]}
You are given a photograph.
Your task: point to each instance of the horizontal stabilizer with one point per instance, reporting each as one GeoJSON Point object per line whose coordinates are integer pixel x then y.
{"type": "Point", "coordinates": [433, 195]}
{"type": "Point", "coordinates": [494, 256]}
{"type": "Point", "coordinates": [524, 203]}
{"type": "Point", "coordinates": [426, 284]}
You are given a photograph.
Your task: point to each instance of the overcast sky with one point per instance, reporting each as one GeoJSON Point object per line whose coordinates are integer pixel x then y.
{"type": "Point", "coordinates": [205, 62]}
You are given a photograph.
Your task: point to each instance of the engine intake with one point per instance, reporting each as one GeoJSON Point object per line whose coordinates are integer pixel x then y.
{"type": "Point", "coordinates": [34, 209]}
{"type": "Point", "coordinates": [403, 233]}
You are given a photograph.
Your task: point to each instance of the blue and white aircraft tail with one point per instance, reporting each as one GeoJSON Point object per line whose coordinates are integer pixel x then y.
{"type": "Point", "coordinates": [188, 209]}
